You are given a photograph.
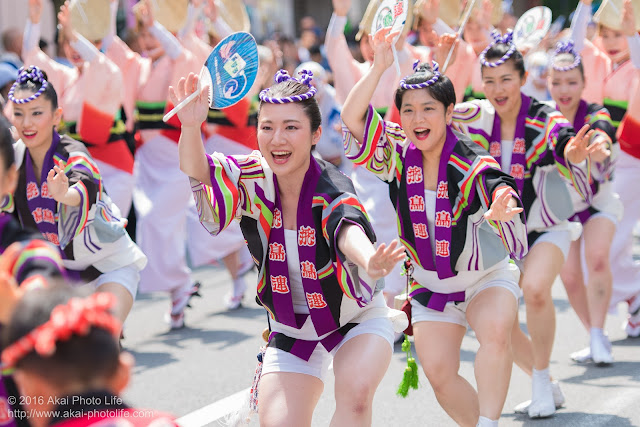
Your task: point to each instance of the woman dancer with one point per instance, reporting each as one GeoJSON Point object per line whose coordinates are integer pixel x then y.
{"type": "Point", "coordinates": [60, 194]}
{"type": "Point", "coordinates": [536, 145]}
{"type": "Point", "coordinates": [619, 92]}
{"type": "Point", "coordinates": [458, 217]}
{"type": "Point", "coordinates": [318, 270]}
{"type": "Point", "coordinates": [566, 83]}
{"type": "Point", "coordinates": [91, 93]}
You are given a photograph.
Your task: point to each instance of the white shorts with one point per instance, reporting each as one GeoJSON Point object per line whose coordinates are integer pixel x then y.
{"type": "Point", "coordinates": [127, 276]}
{"type": "Point", "coordinates": [611, 217]}
{"type": "Point", "coordinates": [456, 313]}
{"type": "Point", "coordinates": [276, 360]}
{"type": "Point", "coordinates": [560, 238]}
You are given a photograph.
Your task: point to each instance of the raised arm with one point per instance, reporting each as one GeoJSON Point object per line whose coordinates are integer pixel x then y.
{"type": "Point", "coordinates": [357, 103]}
{"type": "Point", "coordinates": [193, 159]}
{"type": "Point", "coordinates": [579, 24]}
{"type": "Point", "coordinates": [629, 30]}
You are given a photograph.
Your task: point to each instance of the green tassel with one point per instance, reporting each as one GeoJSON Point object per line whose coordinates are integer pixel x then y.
{"type": "Point", "coordinates": [410, 376]}
{"type": "Point", "coordinates": [403, 389]}
{"type": "Point", "coordinates": [414, 373]}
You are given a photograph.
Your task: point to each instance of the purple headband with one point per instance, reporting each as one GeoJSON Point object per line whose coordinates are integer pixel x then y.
{"type": "Point", "coordinates": [566, 47]}
{"type": "Point", "coordinates": [33, 74]}
{"type": "Point", "coordinates": [436, 75]}
{"type": "Point", "coordinates": [498, 38]}
{"type": "Point", "coordinates": [283, 76]}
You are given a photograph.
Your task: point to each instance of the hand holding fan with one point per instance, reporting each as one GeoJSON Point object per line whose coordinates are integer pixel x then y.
{"type": "Point", "coordinates": [532, 26]}
{"type": "Point", "coordinates": [391, 13]}
{"type": "Point", "coordinates": [230, 72]}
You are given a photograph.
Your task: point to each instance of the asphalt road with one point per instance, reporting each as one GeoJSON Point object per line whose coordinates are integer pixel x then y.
{"type": "Point", "coordinates": [199, 373]}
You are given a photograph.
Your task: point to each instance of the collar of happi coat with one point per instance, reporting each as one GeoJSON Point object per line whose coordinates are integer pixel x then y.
{"type": "Point", "coordinates": [276, 280]}
{"type": "Point", "coordinates": [518, 157]}
{"type": "Point", "coordinates": [42, 206]}
{"type": "Point", "coordinates": [415, 236]}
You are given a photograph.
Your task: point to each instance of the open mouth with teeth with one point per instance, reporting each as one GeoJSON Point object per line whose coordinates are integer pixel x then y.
{"type": "Point", "coordinates": [280, 157]}
{"type": "Point", "coordinates": [422, 133]}
{"type": "Point", "coordinates": [502, 100]}
{"type": "Point", "coordinates": [29, 134]}
{"type": "Point", "coordinates": [565, 100]}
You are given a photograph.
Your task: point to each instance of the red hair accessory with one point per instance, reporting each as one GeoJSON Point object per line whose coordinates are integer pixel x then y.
{"type": "Point", "coordinates": [76, 317]}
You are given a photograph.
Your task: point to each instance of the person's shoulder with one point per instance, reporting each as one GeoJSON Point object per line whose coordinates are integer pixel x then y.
{"type": "Point", "coordinates": [468, 149]}
{"type": "Point", "coordinates": [471, 111]}
{"type": "Point", "coordinates": [69, 145]}
{"type": "Point", "coordinates": [540, 111]}
{"type": "Point", "coordinates": [333, 181]}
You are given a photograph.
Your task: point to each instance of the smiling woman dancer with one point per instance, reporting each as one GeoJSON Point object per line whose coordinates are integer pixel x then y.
{"type": "Point", "coordinates": [458, 217]}
{"type": "Point", "coordinates": [599, 219]}
{"type": "Point", "coordinates": [305, 228]}
{"type": "Point", "coordinates": [535, 144]}
{"type": "Point", "coordinates": [60, 194]}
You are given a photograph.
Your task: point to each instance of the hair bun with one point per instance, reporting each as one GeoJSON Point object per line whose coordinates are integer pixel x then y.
{"type": "Point", "coordinates": [31, 74]}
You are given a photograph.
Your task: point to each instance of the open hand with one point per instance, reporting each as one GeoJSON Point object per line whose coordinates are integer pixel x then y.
{"type": "Point", "coordinates": [64, 19]}
{"type": "Point", "coordinates": [600, 147]}
{"type": "Point", "coordinates": [58, 184]}
{"type": "Point", "coordinates": [503, 207]}
{"type": "Point", "coordinates": [384, 259]}
{"type": "Point", "coordinates": [429, 10]}
{"type": "Point", "coordinates": [195, 112]}
{"type": "Point", "coordinates": [628, 19]}
{"type": "Point", "coordinates": [445, 43]}
{"type": "Point", "coordinates": [35, 10]}
{"type": "Point", "coordinates": [578, 148]}
{"type": "Point", "coordinates": [10, 293]}
{"type": "Point", "coordinates": [341, 7]}
{"type": "Point", "coordinates": [382, 51]}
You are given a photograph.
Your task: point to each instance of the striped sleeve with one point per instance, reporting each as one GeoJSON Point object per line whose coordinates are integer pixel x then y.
{"type": "Point", "coordinates": [378, 151]}
{"type": "Point", "coordinates": [600, 122]}
{"type": "Point", "coordinates": [344, 211]}
{"type": "Point", "coordinates": [468, 118]}
{"type": "Point", "coordinates": [513, 234]}
{"type": "Point", "coordinates": [556, 134]}
{"type": "Point", "coordinates": [224, 200]}
{"type": "Point", "coordinates": [84, 177]}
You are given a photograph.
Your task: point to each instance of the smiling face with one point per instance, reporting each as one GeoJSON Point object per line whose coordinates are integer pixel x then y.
{"type": "Point", "coordinates": [566, 87]}
{"type": "Point", "coordinates": [615, 44]}
{"type": "Point", "coordinates": [149, 45]}
{"type": "Point", "coordinates": [285, 139]}
{"type": "Point", "coordinates": [501, 86]}
{"type": "Point", "coordinates": [35, 120]}
{"type": "Point", "coordinates": [72, 55]}
{"type": "Point", "coordinates": [424, 120]}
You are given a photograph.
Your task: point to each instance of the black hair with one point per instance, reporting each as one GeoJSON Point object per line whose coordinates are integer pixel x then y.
{"type": "Point", "coordinates": [292, 88]}
{"type": "Point", "coordinates": [6, 144]}
{"type": "Point", "coordinates": [566, 58]}
{"type": "Point", "coordinates": [498, 50]}
{"type": "Point", "coordinates": [34, 84]}
{"type": "Point", "coordinates": [78, 360]}
{"type": "Point", "coordinates": [442, 90]}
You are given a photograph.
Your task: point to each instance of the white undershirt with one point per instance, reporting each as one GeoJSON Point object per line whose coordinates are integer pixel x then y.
{"type": "Point", "coordinates": [295, 277]}
{"type": "Point", "coordinates": [506, 153]}
{"type": "Point", "coordinates": [430, 206]}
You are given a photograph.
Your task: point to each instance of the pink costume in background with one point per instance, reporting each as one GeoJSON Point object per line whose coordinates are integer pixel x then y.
{"type": "Point", "coordinates": [91, 99]}
{"type": "Point", "coordinates": [619, 92]}
{"type": "Point", "coordinates": [203, 248]}
{"type": "Point", "coordinates": [162, 192]}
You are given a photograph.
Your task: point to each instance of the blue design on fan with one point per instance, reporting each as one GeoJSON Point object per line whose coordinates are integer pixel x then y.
{"type": "Point", "coordinates": [233, 66]}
